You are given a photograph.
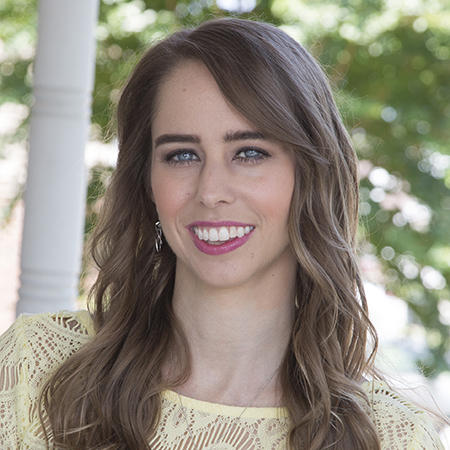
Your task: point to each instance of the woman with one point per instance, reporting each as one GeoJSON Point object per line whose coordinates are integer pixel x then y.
{"type": "Point", "coordinates": [229, 308]}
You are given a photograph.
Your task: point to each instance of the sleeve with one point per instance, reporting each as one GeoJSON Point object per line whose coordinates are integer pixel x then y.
{"type": "Point", "coordinates": [401, 425]}
{"type": "Point", "coordinates": [14, 391]}
{"type": "Point", "coordinates": [30, 353]}
{"type": "Point", "coordinates": [425, 436]}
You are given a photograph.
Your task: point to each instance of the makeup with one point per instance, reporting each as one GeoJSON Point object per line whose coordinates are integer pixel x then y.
{"type": "Point", "coordinates": [217, 238]}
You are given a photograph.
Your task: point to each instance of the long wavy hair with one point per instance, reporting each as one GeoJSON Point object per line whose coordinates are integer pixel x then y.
{"type": "Point", "coordinates": [107, 395]}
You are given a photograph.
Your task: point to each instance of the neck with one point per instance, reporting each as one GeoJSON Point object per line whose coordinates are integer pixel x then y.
{"type": "Point", "coordinates": [237, 338]}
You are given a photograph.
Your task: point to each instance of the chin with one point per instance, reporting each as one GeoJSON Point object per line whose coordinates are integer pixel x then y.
{"type": "Point", "coordinates": [221, 276]}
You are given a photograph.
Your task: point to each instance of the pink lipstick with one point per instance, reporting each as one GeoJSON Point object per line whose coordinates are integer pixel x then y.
{"type": "Point", "coordinates": [226, 236]}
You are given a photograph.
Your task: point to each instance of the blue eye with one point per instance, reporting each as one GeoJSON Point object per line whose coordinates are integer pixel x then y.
{"type": "Point", "coordinates": [251, 154]}
{"type": "Point", "coordinates": [184, 156]}
{"type": "Point", "coordinates": [181, 156]}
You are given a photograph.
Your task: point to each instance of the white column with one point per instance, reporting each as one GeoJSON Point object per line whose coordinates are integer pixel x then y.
{"type": "Point", "coordinates": [56, 187]}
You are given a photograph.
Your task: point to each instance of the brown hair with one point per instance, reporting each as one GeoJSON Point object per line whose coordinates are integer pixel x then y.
{"type": "Point", "coordinates": [107, 395]}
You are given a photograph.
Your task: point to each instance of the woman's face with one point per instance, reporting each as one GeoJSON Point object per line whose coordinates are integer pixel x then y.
{"type": "Point", "coordinates": [221, 188]}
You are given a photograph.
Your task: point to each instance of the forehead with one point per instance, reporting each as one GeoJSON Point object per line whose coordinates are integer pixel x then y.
{"type": "Point", "coordinates": [185, 82]}
{"type": "Point", "coordinates": [187, 72]}
{"type": "Point", "coordinates": [190, 98]}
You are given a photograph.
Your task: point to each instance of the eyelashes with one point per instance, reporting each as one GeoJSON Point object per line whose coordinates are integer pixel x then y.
{"type": "Point", "coordinates": [246, 155]}
{"type": "Point", "coordinates": [181, 156]}
{"type": "Point", "coordinates": [252, 155]}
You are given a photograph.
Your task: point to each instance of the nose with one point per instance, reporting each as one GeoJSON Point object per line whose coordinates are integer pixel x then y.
{"type": "Point", "coordinates": [216, 185]}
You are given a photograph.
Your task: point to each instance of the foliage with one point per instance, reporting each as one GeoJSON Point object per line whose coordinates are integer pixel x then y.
{"type": "Point", "coordinates": [390, 61]}
{"type": "Point", "coordinates": [394, 68]}
{"type": "Point", "coordinates": [17, 44]}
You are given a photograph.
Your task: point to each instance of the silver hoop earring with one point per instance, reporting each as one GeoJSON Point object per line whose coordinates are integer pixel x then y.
{"type": "Point", "coordinates": [158, 237]}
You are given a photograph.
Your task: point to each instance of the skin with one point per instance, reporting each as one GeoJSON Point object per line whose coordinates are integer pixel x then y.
{"type": "Point", "coordinates": [236, 308]}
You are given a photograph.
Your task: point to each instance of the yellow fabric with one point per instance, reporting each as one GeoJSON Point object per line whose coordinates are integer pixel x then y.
{"type": "Point", "coordinates": [35, 346]}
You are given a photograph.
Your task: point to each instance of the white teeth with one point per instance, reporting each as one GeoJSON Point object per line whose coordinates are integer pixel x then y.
{"type": "Point", "coordinates": [213, 235]}
{"type": "Point", "coordinates": [223, 234]}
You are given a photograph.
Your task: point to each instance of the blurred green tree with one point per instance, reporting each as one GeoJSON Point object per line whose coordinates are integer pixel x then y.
{"type": "Point", "coordinates": [390, 63]}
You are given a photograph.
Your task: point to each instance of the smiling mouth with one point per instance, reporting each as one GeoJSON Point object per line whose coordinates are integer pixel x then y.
{"type": "Point", "coordinates": [220, 235]}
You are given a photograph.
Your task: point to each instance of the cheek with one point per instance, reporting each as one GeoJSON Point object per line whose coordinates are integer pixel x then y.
{"type": "Point", "coordinates": [169, 195]}
{"type": "Point", "coordinates": [275, 195]}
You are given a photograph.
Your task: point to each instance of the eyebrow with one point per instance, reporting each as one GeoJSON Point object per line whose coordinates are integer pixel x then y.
{"type": "Point", "coordinates": [169, 138]}
{"type": "Point", "coordinates": [243, 136]}
{"type": "Point", "coordinates": [194, 139]}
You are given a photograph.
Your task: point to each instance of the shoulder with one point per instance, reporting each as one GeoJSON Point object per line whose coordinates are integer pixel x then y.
{"type": "Point", "coordinates": [44, 341]}
{"type": "Point", "coordinates": [53, 327]}
{"type": "Point", "coordinates": [31, 351]}
{"type": "Point", "coordinates": [67, 324]}
{"type": "Point", "coordinates": [401, 425]}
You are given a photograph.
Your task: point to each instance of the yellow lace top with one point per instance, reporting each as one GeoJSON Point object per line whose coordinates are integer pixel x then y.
{"type": "Point", "coordinates": [33, 348]}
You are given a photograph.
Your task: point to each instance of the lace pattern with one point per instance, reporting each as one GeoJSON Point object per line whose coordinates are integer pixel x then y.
{"type": "Point", "coordinates": [35, 346]}
{"type": "Point", "coordinates": [251, 433]}
{"type": "Point", "coordinates": [30, 352]}
{"type": "Point", "coordinates": [401, 425]}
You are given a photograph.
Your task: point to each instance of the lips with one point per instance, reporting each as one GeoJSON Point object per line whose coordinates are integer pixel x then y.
{"type": "Point", "coordinates": [216, 235]}
{"type": "Point", "coordinates": [219, 238]}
